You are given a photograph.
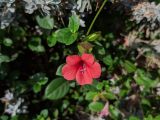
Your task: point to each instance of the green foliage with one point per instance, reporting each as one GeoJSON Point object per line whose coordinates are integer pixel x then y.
{"type": "Point", "coordinates": [57, 89]}
{"type": "Point", "coordinates": [35, 45]}
{"type": "Point", "coordinates": [74, 23]}
{"type": "Point", "coordinates": [4, 58]}
{"type": "Point", "coordinates": [91, 95]}
{"type": "Point", "coordinates": [4, 117]}
{"type": "Point", "coordinates": [65, 36]}
{"type": "Point", "coordinates": [43, 115]}
{"type": "Point", "coordinates": [46, 22]}
{"type": "Point", "coordinates": [108, 60]}
{"type": "Point", "coordinates": [59, 70]}
{"type": "Point", "coordinates": [7, 42]}
{"type": "Point", "coordinates": [93, 37]}
{"type": "Point", "coordinates": [95, 106]}
{"type": "Point", "coordinates": [52, 40]}
{"type": "Point", "coordinates": [129, 67]}
{"type": "Point", "coordinates": [114, 112]}
{"type": "Point", "coordinates": [38, 79]}
{"type": "Point", "coordinates": [133, 118]}
{"type": "Point", "coordinates": [142, 78]}
{"type": "Point", "coordinates": [33, 51]}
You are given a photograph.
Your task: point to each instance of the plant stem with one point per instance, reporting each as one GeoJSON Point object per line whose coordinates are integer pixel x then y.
{"type": "Point", "coordinates": [97, 14]}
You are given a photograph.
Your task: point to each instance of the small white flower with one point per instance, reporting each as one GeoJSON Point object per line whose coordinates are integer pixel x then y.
{"type": "Point", "coordinates": [82, 23]}
{"type": "Point", "coordinates": [13, 105]}
{"type": "Point", "coordinates": [16, 107]}
{"type": "Point", "coordinates": [115, 90]}
{"type": "Point", "coordinates": [149, 12]}
{"type": "Point", "coordinates": [83, 5]}
{"type": "Point", "coordinates": [8, 96]}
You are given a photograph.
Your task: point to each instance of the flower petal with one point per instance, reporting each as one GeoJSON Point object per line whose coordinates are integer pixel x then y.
{"type": "Point", "coordinates": [105, 110]}
{"type": "Point", "coordinates": [83, 77]}
{"type": "Point", "coordinates": [95, 70]}
{"type": "Point", "coordinates": [88, 58]}
{"type": "Point", "coordinates": [73, 59]}
{"type": "Point", "coordinates": [69, 72]}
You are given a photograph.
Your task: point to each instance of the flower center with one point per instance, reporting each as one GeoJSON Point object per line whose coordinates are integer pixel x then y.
{"type": "Point", "coordinates": [83, 69]}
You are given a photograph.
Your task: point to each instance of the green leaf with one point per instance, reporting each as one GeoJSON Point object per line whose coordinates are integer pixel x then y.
{"type": "Point", "coordinates": [129, 67]}
{"type": "Point", "coordinates": [66, 36]}
{"type": "Point", "coordinates": [7, 42]}
{"type": "Point", "coordinates": [108, 60]}
{"type": "Point", "coordinates": [43, 81]}
{"type": "Point", "coordinates": [38, 80]}
{"type": "Point", "coordinates": [4, 117]}
{"type": "Point", "coordinates": [56, 113]}
{"type": "Point", "coordinates": [59, 70]}
{"type": "Point", "coordinates": [146, 102]}
{"type": "Point", "coordinates": [90, 95]}
{"type": "Point", "coordinates": [52, 40]}
{"type": "Point", "coordinates": [91, 87]}
{"type": "Point", "coordinates": [142, 78]}
{"type": "Point", "coordinates": [99, 86]}
{"type": "Point", "coordinates": [157, 117]}
{"type": "Point", "coordinates": [114, 112]}
{"type": "Point", "coordinates": [16, 117]}
{"type": "Point", "coordinates": [57, 89]}
{"type": "Point", "coordinates": [37, 88]}
{"type": "Point", "coordinates": [96, 106]}
{"type": "Point", "coordinates": [35, 45]}
{"type": "Point", "coordinates": [4, 58]}
{"type": "Point", "coordinates": [149, 117]}
{"type": "Point", "coordinates": [93, 37]}
{"type": "Point", "coordinates": [19, 31]}
{"type": "Point", "coordinates": [109, 96]}
{"type": "Point", "coordinates": [74, 23]}
{"type": "Point", "coordinates": [44, 113]}
{"type": "Point", "coordinates": [46, 22]}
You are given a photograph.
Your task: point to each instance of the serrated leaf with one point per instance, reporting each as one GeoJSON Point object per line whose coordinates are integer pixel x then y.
{"type": "Point", "coordinates": [46, 22]}
{"type": "Point", "coordinates": [57, 89]}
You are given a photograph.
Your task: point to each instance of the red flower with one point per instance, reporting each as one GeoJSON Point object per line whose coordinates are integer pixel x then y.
{"type": "Point", "coordinates": [82, 68]}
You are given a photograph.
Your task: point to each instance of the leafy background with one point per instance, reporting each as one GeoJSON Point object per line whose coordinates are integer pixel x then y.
{"type": "Point", "coordinates": [34, 43]}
